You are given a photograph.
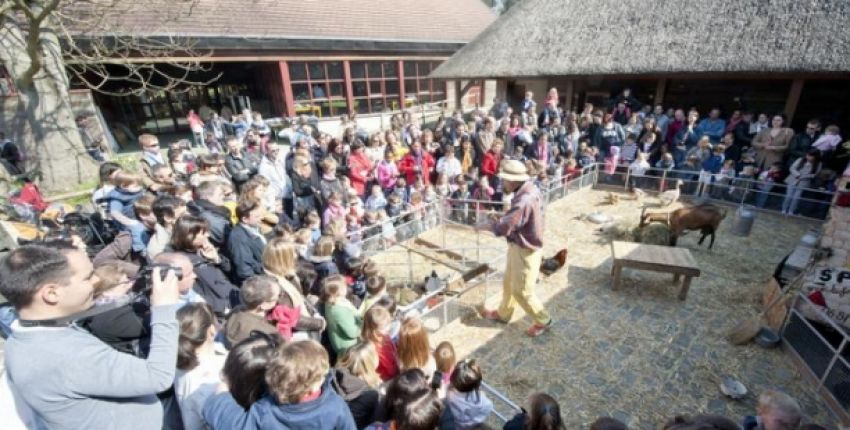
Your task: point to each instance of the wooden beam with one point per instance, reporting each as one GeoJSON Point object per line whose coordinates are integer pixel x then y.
{"type": "Point", "coordinates": [286, 81]}
{"type": "Point", "coordinates": [401, 89]}
{"type": "Point", "coordinates": [568, 96]}
{"type": "Point", "coordinates": [254, 58]}
{"type": "Point", "coordinates": [660, 90]}
{"type": "Point", "coordinates": [349, 91]}
{"type": "Point", "coordinates": [793, 99]}
{"type": "Point", "coordinates": [428, 244]}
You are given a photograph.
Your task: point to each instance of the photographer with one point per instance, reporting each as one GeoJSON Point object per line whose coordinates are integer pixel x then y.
{"type": "Point", "coordinates": [72, 380]}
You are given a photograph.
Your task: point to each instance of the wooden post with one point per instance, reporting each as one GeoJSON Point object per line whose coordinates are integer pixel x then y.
{"type": "Point", "coordinates": [568, 96]}
{"type": "Point", "coordinates": [401, 88]}
{"type": "Point", "coordinates": [349, 92]}
{"type": "Point", "coordinates": [286, 82]}
{"type": "Point", "coordinates": [458, 96]}
{"type": "Point", "coordinates": [793, 99]}
{"type": "Point", "coordinates": [660, 89]}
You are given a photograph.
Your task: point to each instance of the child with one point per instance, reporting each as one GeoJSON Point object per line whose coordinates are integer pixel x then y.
{"type": "Point", "coordinates": [357, 382]}
{"type": "Point", "coordinates": [343, 321]}
{"type": "Point", "coordinates": [299, 395]}
{"type": "Point", "coordinates": [637, 170]}
{"type": "Point", "coordinates": [388, 231]}
{"type": "Point", "coordinates": [314, 224]}
{"type": "Point", "coordinates": [444, 355]}
{"type": "Point", "coordinates": [395, 205]}
{"type": "Point", "coordinates": [387, 171]}
{"type": "Point", "coordinates": [724, 179]}
{"type": "Point", "coordinates": [417, 212]}
{"type": "Point", "coordinates": [829, 140]}
{"type": "Point", "coordinates": [460, 210]}
{"type": "Point", "coordinates": [766, 180]}
{"type": "Point", "coordinates": [711, 167]}
{"type": "Point", "coordinates": [128, 189]}
{"type": "Point", "coordinates": [322, 259]}
{"type": "Point", "coordinates": [401, 190]}
{"type": "Point", "coordinates": [414, 349]}
{"type": "Point", "coordinates": [376, 287]}
{"type": "Point", "coordinates": [587, 155]}
{"type": "Point", "coordinates": [442, 185]}
{"type": "Point", "coordinates": [353, 231]}
{"type": "Point", "coordinates": [571, 170]}
{"type": "Point", "coordinates": [542, 411]}
{"type": "Point", "coordinates": [628, 152]}
{"type": "Point", "coordinates": [258, 296]}
{"type": "Point", "coordinates": [376, 328]}
{"type": "Point", "coordinates": [666, 162]}
{"type": "Point", "coordinates": [376, 200]}
{"type": "Point", "coordinates": [198, 365]}
{"type": "Point", "coordinates": [611, 162]}
{"type": "Point", "coordinates": [469, 406]}
{"type": "Point", "coordinates": [334, 211]}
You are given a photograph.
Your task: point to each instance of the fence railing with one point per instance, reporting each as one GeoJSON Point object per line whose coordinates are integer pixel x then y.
{"type": "Point", "coordinates": [802, 202]}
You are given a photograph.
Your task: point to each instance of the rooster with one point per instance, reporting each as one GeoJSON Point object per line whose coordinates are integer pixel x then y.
{"type": "Point", "coordinates": [551, 265]}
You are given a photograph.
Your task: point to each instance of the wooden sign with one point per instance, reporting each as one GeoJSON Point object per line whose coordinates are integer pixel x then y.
{"type": "Point", "coordinates": [829, 290]}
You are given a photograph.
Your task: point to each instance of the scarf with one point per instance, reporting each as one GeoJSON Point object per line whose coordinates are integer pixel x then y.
{"type": "Point", "coordinates": [466, 162]}
{"type": "Point", "coordinates": [329, 176]}
{"type": "Point", "coordinates": [293, 293]}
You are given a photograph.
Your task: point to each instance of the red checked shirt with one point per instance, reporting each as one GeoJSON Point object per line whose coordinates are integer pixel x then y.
{"type": "Point", "coordinates": [522, 225]}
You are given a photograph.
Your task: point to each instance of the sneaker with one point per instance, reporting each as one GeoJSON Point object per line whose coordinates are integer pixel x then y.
{"type": "Point", "coordinates": [492, 315]}
{"type": "Point", "coordinates": [538, 329]}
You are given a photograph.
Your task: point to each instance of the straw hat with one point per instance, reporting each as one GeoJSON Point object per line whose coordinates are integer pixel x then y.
{"type": "Point", "coordinates": [513, 170]}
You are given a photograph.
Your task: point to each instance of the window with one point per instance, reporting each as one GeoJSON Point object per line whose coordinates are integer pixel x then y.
{"type": "Point", "coordinates": [374, 85]}
{"type": "Point", "coordinates": [318, 87]}
{"type": "Point", "coordinates": [417, 87]}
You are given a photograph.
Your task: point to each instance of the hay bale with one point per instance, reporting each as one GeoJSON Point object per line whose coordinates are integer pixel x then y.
{"type": "Point", "coordinates": [619, 230]}
{"type": "Point", "coordinates": [654, 233]}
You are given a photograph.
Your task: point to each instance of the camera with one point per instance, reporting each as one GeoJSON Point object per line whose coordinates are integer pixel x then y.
{"type": "Point", "coordinates": [145, 281]}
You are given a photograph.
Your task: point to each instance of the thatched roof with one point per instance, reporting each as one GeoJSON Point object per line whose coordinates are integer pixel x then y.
{"type": "Point", "coordinates": [582, 37]}
{"type": "Point", "coordinates": [214, 22]}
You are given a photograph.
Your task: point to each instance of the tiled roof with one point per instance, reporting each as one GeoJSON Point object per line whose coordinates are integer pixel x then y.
{"type": "Point", "coordinates": [442, 21]}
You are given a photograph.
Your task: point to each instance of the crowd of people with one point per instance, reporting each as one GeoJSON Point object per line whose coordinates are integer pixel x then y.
{"type": "Point", "coordinates": [236, 294]}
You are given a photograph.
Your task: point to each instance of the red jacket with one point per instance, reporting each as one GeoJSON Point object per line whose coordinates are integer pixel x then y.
{"type": "Point", "coordinates": [387, 359]}
{"type": "Point", "coordinates": [359, 166]}
{"type": "Point", "coordinates": [490, 164]}
{"type": "Point", "coordinates": [31, 195]}
{"type": "Point", "coordinates": [407, 167]}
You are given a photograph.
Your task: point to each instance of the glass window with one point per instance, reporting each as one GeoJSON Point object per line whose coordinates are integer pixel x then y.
{"type": "Point", "coordinates": [359, 89]}
{"type": "Point", "coordinates": [390, 69]}
{"type": "Point", "coordinates": [410, 86]}
{"type": "Point", "coordinates": [297, 71]}
{"type": "Point", "coordinates": [375, 87]}
{"type": "Point", "coordinates": [336, 89]}
{"type": "Point", "coordinates": [317, 70]}
{"type": "Point", "coordinates": [301, 91]}
{"type": "Point", "coordinates": [358, 69]}
{"type": "Point", "coordinates": [392, 87]}
{"type": "Point", "coordinates": [335, 70]}
{"type": "Point", "coordinates": [374, 70]}
{"type": "Point", "coordinates": [409, 68]}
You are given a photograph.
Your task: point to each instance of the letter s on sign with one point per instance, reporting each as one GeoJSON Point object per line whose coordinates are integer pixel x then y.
{"type": "Point", "coordinates": [825, 275]}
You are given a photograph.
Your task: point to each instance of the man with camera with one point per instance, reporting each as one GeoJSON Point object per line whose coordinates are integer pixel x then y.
{"type": "Point", "coordinates": [70, 378]}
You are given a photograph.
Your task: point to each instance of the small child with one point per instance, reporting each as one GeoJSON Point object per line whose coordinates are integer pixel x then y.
{"type": "Point", "coordinates": [461, 208]}
{"type": "Point", "coordinates": [359, 272]}
{"type": "Point", "coordinates": [611, 162]}
{"type": "Point", "coordinates": [376, 200]}
{"type": "Point", "coordinates": [711, 167]}
{"type": "Point", "coordinates": [445, 358]}
{"type": "Point", "coordinates": [353, 231]}
{"type": "Point", "coordinates": [314, 224]}
{"type": "Point", "coordinates": [259, 296]}
{"type": "Point", "coordinates": [469, 406]}
{"type": "Point", "coordinates": [322, 259]}
{"type": "Point", "coordinates": [637, 170]}
{"type": "Point", "coordinates": [343, 320]}
{"type": "Point", "coordinates": [442, 185]}
{"type": "Point", "coordinates": [587, 156]}
{"type": "Point", "coordinates": [401, 190]}
{"type": "Point", "coordinates": [571, 170]}
{"type": "Point", "coordinates": [628, 152]}
{"type": "Point", "coordinates": [666, 162]}
{"type": "Point", "coordinates": [376, 287]}
{"type": "Point", "coordinates": [767, 179]}
{"type": "Point", "coordinates": [128, 189]}
{"type": "Point", "coordinates": [334, 211]}
{"type": "Point", "coordinates": [829, 140]}
{"type": "Point", "coordinates": [395, 205]}
{"type": "Point", "coordinates": [377, 324]}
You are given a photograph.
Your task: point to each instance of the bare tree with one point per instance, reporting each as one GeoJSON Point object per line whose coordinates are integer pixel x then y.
{"type": "Point", "coordinates": [99, 43]}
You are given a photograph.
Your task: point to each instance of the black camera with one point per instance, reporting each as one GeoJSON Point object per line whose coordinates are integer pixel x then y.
{"type": "Point", "coordinates": [145, 280]}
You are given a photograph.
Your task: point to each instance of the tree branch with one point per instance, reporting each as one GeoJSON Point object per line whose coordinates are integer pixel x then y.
{"type": "Point", "coordinates": [35, 17]}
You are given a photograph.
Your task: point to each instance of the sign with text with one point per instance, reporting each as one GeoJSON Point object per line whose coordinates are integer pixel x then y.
{"type": "Point", "coordinates": [828, 288]}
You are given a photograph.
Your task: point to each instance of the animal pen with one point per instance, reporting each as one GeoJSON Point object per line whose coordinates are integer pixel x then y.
{"type": "Point", "coordinates": [469, 264]}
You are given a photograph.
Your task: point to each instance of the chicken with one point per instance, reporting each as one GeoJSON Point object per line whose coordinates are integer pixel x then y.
{"type": "Point", "coordinates": [669, 197]}
{"type": "Point", "coordinates": [551, 265]}
{"type": "Point", "coordinates": [638, 193]}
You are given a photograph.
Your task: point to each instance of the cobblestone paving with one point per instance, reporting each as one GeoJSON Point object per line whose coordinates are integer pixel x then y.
{"type": "Point", "coordinates": [638, 353]}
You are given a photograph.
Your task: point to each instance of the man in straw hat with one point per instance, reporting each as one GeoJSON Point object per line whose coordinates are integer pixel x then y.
{"type": "Point", "coordinates": [522, 226]}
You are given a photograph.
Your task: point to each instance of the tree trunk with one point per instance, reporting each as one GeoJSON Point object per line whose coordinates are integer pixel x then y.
{"type": "Point", "coordinates": [44, 125]}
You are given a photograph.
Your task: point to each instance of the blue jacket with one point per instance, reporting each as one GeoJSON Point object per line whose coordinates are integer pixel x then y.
{"type": "Point", "coordinates": [328, 412]}
{"type": "Point", "coordinates": [121, 200]}
{"type": "Point", "coordinates": [714, 129]}
{"type": "Point", "coordinates": [713, 163]}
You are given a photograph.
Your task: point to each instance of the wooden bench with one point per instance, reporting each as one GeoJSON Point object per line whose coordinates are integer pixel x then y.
{"type": "Point", "coordinates": [667, 259]}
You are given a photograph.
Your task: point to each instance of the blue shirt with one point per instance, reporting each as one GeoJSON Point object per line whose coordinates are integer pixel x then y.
{"type": "Point", "coordinates": [713, 128]}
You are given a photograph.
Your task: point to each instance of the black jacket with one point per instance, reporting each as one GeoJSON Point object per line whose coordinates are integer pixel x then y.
{"type": "Point", "coordinates": [799, 146]}
{"type": "Point", "coordinates": [246, 254]}
{"type": "Point", "coordinates": [241, 169]}
{"type": "Point", "coordinates": [125, 328]}
{"type": "Point", "coordinates": [219, 219]}
{"type": "Point", "coordinates": [361, 399]}
{"type": "Point", "coordinates": [212, 284]}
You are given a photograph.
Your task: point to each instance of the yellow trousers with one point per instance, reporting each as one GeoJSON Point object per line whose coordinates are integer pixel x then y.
{"type": "Point", "coordinates": [521, 272]}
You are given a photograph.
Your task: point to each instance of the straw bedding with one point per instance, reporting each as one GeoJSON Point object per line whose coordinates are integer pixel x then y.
{"type": "Point", "coordinates": [638, 353]}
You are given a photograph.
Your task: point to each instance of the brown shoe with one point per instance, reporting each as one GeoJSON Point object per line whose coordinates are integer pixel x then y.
{"type": "Point", "coordinates": [492, 315]}
{"type": "Point", "coordinates": [537, 329]}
